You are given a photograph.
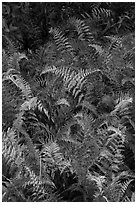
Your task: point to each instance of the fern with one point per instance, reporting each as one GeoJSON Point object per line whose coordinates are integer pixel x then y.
{"type": "Point", "coordinates": [72, 81]}
{"type": "Point", "coordinates": [19, 82]}
{"type": "Point", "coordinates": [82, 29]}
{"type": "Point", "coordinates": [12, 153]}
{"type": "Point", "coordinates": [52, 157]}
{"type": "Point", "coordinates": [100, 13]}
{"type": "Point", "coordinates": [68, 104]}
{"type": "Point", "coordinates": [37, 187]}
{"type": "Point", "coordinates": [124, 188]}
{"type": "Point", "coordinates": [61, 41]}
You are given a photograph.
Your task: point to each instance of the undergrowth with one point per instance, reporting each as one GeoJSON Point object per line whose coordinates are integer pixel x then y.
{"type": "Point", "coordinates": [68, 108]}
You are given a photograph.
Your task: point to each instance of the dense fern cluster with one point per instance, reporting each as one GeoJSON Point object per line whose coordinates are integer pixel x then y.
{"type": "Point", "coordinates": [68, 104]}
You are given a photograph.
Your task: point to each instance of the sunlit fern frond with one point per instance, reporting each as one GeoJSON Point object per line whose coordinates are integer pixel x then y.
{"type": "Point", "coordinates": [11, 60]}
{"type": "Point", "coordinates": [63, 101]}
{"type": "Point", "coordinates": [122, 104]}
{"type": "Point", "coordinates": [98, 49]}
{"type": "Point", "coordinates": [61, 41]}
{"type": "Point", "coordinates": [20, 116]}
{"type": "Point", "coordinates": [101, 14]}
{"type": "Point", "coordinates": [70, 77]}
{"type": "Point", "coordinates": [34, 103]}
{"type": "Point", "coordinates": [19, 124]}
{"type": "Point", "coordinates": [124, 189]}
{"type": "Point", "coordinates": [73, 80]}
{"type": "Point", "coordinates": [17, 79]}
{"type": "Point", "coordinates": [115, 146]}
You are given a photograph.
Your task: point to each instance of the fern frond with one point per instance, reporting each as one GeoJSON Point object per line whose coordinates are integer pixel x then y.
{"type": "Point", "coordinates": [61, 41]}
{"type": "Point", "coordinates": [19, 82]}
{"type": "Point", "coordinates": [116, 43]}
{"type": "Point", "coordinates": [110, 156]}
{"type": "Point", "coordinates": [12, 154]}
{"type": "Point", "coordinates": [12, 99]}
{"type": "Point", "coordinates": [32, 104]}
{"type": "Point", "coordinates": [45, 54]}
{"type": "Point", "coordinates": [99, 49]}
{"type": "Point", "coordinates": [41, 81]}
{"type": "Point", "coordinates": [39, 187]}
{"type": "Point", "coordinates": [129, 56]}
{"type": "Point", "coordinates": [127, 199]}
{"type": "Point", "coordinates": [99, 180]}
{"type": "Point", "coordinates": [11, 60]}
{"type": "Point", "coordinates": [89, 106]}
{"type": "Point", "coordinates": [9, 45]}
{"type": "Point", "coordinates": [82, 29]}
{"type": "Point", "coordinates": [122, 104]}
{"type": "Point", "coordinates": [51, 155]}
{"type": "Point", "coordinates": [101, 13]}
{"type": "Point", "coordinates": [63, 101]}
{"type": "Point", "coordinates": [124, 187]}
{"type": "Point", "coordinates": [73, 81]}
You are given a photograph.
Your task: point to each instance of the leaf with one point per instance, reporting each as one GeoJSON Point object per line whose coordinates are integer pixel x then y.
{"type": "Point", "coordinates": [63, 101]}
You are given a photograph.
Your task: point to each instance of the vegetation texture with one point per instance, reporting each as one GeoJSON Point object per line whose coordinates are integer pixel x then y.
{"type": "Point", "coordinates": [68, 89]}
